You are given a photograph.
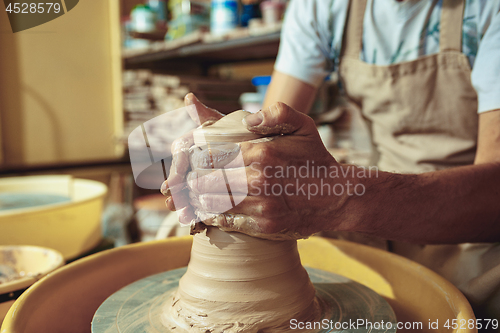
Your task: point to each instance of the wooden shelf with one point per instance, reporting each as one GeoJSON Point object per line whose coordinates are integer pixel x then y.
{"type": "Point", "coordinates": [199, 49]}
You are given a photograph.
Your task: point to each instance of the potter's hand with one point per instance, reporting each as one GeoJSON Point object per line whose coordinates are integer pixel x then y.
{"type": "Point", "coordinates": [174, 186]}
{"type": "Point", "coordinates": [287, 196]}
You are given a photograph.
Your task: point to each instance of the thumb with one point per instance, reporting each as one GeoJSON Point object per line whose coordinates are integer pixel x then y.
{"type": "Point", "coordinates": [200, 113]}
{"type": "Point", "coordinates": [280, 118]}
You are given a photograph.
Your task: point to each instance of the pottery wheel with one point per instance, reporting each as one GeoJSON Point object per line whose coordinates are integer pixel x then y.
{"type": "Point", "coordinates": [137, 307]}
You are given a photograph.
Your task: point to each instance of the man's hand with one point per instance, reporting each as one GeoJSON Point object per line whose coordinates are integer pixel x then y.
{"type": "Point", "coordinates": [291, 179]}
{"type": "Point", "coordinates": [174, 185]}
{"type": "Point", "coordinates": [296, 188]}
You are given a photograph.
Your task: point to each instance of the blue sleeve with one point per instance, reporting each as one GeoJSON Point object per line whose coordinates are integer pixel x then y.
{"type": "Point", "coordinates": [309, 39]}
{"type": "Point", "coordinates": [486, 70]}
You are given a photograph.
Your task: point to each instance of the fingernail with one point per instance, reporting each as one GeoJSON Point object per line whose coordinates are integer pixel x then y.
{"type": "Point", "coordinates": [189, 98]}
{"type": "Point", "coordinates": [164, 187]}
{"type": "Point", "coordinates": [254, 119]}
{"type": "Point", "coordinates": [169, 203]}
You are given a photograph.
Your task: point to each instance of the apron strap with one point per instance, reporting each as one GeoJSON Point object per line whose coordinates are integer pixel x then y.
{"type": "Point", "coordinates": [353, 34]}
{"type": "Point", "coordinates": [452, 13]}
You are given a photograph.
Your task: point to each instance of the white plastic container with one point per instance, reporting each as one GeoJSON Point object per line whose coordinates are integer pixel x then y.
{"type": "Point", "coordinates": [272, 11]}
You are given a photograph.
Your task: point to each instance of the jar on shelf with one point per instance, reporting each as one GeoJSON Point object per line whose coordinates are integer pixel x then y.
{"type": "Point", "coordinates": [223, 16]}
{"type": "Point", "coordinates": [143, 19]}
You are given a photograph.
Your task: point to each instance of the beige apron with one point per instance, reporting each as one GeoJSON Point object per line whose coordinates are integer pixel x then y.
{"type": "Point", "coordinates": [423, 117]}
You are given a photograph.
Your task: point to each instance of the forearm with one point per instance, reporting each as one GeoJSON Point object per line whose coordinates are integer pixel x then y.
{"type": "Point", "coordinates": [291, 91]}
{"type": "Point", "coordinates": [450, 206]}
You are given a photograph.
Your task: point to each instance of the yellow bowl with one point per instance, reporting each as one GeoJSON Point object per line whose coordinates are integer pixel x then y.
{"type": "Point", "coordinates": [72, 227]}
{"type": "Point", "coordinates": [31, 263]}
{"type": "Point", "coordinates": [66, 300]}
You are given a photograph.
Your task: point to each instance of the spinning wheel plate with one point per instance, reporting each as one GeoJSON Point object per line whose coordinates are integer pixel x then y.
{"type": "Point", "coordinates": [344, 303]}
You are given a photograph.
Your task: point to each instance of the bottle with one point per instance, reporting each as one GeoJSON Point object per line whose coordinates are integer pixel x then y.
{"type": "Point", "coordinates": [248, 12]}
{"type": "Point", "coordinates": [272, 11]}
{"type": "Point", "coordinates": [159, 7]}
{"type": "Point", "coordinates": [223, 16]}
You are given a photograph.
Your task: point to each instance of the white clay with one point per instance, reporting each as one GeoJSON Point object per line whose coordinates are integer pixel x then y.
{"type": "Point", "coordinates": [228, 129]}
{"type": "Point", "coordinates": [237, 283]}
